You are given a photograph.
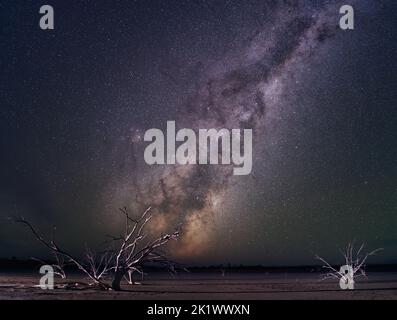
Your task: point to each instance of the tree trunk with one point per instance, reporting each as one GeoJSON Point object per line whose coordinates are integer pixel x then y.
{"type": "Point", "coordinates": [118, 276]}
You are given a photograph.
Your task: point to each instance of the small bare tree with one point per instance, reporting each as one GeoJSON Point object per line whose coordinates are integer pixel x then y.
{"type": "Point", "coordinates": [129, 253]}
{"type": "Point", "coordinates": [354, 264]}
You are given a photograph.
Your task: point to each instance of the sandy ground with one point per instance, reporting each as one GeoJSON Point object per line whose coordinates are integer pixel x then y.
{"type": "Point", "coordinates": [208, 286]}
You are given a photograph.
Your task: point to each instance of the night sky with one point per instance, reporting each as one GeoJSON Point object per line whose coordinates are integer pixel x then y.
{"type": "Point", "coordinates": [76, 102]}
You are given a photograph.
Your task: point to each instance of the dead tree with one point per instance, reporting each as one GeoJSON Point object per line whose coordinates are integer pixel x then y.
{"type": "Point", "coordinates": [129, 254]}
{"type": "Point", "coordinates": [354, 263]}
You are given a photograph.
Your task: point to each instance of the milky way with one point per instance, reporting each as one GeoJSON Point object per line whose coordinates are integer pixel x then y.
{"type": "Point", "coordinates": [243, 90]}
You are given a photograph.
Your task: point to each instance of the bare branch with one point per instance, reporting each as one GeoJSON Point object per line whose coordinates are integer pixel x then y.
{"type": "Point", "coordinates": [55, 249]}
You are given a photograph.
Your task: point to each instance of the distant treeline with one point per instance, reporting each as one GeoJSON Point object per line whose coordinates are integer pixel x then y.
{"type": "Point", "coordinates": [15, 264]}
